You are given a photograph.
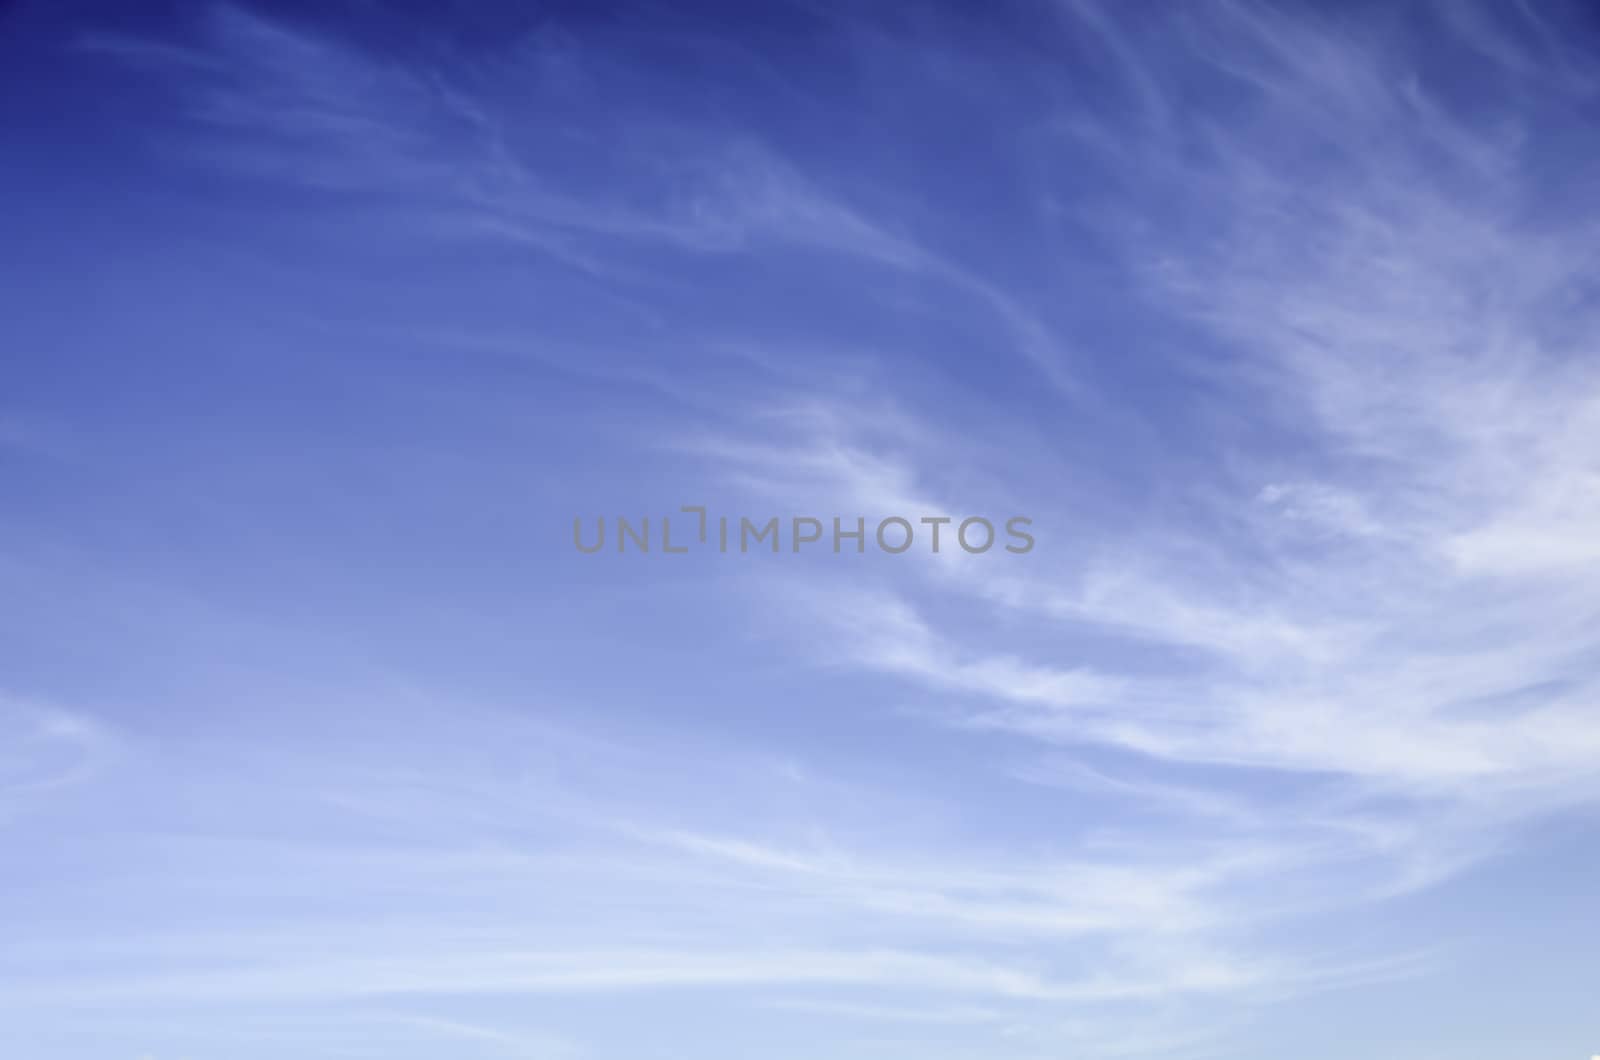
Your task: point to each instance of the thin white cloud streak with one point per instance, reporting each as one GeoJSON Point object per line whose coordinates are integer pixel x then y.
{"type": "Point", "coordinates": [495, 972]}
{"type": "Point", "coordinates": [948, 1014]}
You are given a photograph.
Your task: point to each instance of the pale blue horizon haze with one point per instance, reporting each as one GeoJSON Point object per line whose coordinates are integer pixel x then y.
{"type": "Point", "coordinates": [320, 324]}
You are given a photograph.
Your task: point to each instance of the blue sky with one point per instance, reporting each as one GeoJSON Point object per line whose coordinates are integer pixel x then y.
{"type": "Point", "coordinates": [323, 322]}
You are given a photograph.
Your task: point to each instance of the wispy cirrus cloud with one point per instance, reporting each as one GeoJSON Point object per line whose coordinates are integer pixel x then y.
{"type": "Point", "coordinates": [1392, 602]}
{"type": "Point", "coordinates": [46, 750]}
{"type": "Point", "coordinates": [1276, 323]}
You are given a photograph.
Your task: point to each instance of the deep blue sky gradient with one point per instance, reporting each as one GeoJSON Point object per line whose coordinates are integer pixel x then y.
{"type": "Point", "coordinates": [320, 323]}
